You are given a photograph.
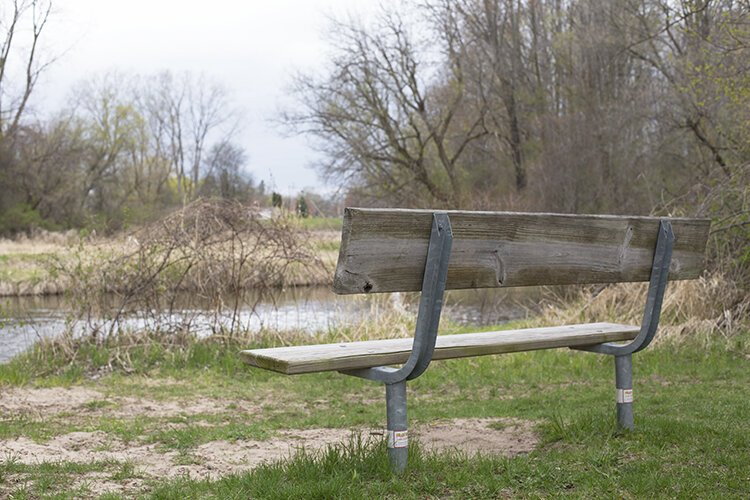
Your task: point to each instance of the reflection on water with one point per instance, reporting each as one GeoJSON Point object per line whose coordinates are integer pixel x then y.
{"type": "Point", "coordinates": [24, 320]}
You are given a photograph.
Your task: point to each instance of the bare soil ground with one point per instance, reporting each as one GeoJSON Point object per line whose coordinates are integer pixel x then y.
{"type": "Point", "coordinates": [213, 459]}
{"type": "Point", "coordinates": [35, 403]}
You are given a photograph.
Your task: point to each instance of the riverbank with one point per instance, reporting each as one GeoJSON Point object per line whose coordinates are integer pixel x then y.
{"type": "Point", "coordinates": [190, 420]}
{"type": "Point", "coordinates": [25, 265]}
{"type": "Point", "coordinates": [38, 265]}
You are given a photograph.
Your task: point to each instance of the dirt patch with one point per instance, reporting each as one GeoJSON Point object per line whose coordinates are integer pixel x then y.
{"type": "Point", "coordinates": [136, 407]}
{"type": "Point", "coordinates": [484, 436]}
{"type": "Point", "coordinates": [84, 402]}
{"type": "Point", "coordinates": [505, 437]}
{"type": "Point", "coordinates": [221, 457]}
{"type": "Point", "coordinates": [211, 460]}
{"type": "Point", "coordinates": [45, 401]}
{"type": "Point", "coordinates": [78, 447]}
{"type": "Point", "coordinates": [101, 483]}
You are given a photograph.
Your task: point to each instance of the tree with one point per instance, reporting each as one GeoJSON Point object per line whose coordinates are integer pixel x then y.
{"type": "Point", "coordinates": [19, 63]}
{"type": "Point", "coordinates": [109, 159]}
{"type": "Point", "coordinates": [383, 121]}
{"type": "Point", "coordinates": [548, 105]}
{"type": "Point", "coordinates": [113, 131]}
{"type": "Point", "coordinates": [223, 173]}
{"type": "Point", "coordinates": [276, 200]}
{"type": "Point", "coordinates": [187, 112]}
{"type": "Point", "coordinates": [49, 158]}
{"type": "Point", "coordinates": [22, 24]}
{"type": "Point", "coordinates": [492, 32]}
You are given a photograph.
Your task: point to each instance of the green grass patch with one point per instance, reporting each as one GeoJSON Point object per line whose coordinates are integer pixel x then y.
{"type": "Point", "coordinates": [320, 223]}
{"type": "Point", "coordinates": [587, 459]}
{"type": "Point", "coordinates": [59, 479]}
{"type": "Point", "coordinates": [692, 437]}
{"type": "Point", "coordinates": [18, 267]}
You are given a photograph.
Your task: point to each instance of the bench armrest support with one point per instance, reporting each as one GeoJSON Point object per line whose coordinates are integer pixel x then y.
{"type": "Point", "coordinates": [430, 307]}
{"type": "Point", "coordinates": [656, 287]}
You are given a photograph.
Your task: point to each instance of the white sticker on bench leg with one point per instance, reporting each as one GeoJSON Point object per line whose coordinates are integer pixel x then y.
{"type": "Point", "coordinates": [398, 439]}
{"type": "Point", "coordinates": [624, 395]}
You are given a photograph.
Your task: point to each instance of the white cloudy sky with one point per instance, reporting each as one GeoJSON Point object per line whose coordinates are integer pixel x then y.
{"type": "Point", "coordinates": [251, 46]}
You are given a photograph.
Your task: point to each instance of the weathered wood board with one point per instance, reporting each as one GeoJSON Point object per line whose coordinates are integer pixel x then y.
{"type": "Point", "coordinates": [354, 355]}
{"type": "Point", "coordinates": [384, 250]}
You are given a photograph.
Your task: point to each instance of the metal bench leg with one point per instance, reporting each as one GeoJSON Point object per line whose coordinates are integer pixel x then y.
{"type": "Point", "coordinates": [398, 440]}
{"type": "Point", "coordinates": [623, 353]}
{"type": "Point", "coordinates": [425, 336]}
{"type": "Point", "coordinates": [624, 385]}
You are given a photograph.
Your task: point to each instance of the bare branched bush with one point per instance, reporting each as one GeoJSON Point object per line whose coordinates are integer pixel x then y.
{"type": "Point", "coordinates": [215, 256]}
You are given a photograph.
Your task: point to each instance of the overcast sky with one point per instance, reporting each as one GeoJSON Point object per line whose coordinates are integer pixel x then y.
{"type": "Point", "coordinates": [252, 47]}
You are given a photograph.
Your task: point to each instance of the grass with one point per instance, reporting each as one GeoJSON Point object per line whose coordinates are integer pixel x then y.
{"type": "Point", "coordinates": [60, 479]}
{"type": "Point", "coordinates": [20, 267]}
{"type": "Point", "coordinates": [321, 223]}
{"type": "Point", "coordinates": [31, 267]}
{"type": "Point", "coordinates": [692, 437]}
{"type": "Point", "coordinates": [682, 447]}
{"type": "Point", "coordinates": [583, 458]}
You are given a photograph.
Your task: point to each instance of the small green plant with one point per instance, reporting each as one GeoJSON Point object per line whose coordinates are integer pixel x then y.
{"type": "Point", "coordinates": [98, 404]}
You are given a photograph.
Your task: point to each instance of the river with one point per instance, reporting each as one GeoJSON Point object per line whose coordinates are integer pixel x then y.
{"type": "Point", "coordinates": [25, 320]}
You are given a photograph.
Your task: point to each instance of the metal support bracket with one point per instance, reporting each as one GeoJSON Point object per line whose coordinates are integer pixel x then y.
{"type": "Point", "coordinates": [430, 307]}
{"type": "Point", "coordinates": [624, 391]}
{"type": "Point", "coordinates": [425, 336]}
{"type": "Point", "coordinates": [623, 353]}
{"type": "Point", "coordinates": [657, 285]}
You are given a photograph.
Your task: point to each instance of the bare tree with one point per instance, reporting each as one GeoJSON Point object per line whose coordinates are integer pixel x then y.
{"type": "Point", "coordinates": [49, 179]}
{"type": "Point", "coordinates": [187, 112]}
{"type": "Point", "coordinates": [22, 23]}
{"type": "Point", "coordinates": [223, 175]}
{"type": "Point", "coordinates": [14, 16]}
{"type": "Point", "coordinates": [110, 125]}
{"type": "Point", "coordinates": [384, 120]}
{"type": "Point", "coordinates": [493, 29]}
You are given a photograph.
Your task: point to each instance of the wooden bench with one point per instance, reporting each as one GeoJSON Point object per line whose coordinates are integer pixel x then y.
{"type": "Point", "coordinates": [390, 250]}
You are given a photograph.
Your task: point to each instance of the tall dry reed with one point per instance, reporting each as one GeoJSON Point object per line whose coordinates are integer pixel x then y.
{"type": "Point", "coordinates": [707, 308]}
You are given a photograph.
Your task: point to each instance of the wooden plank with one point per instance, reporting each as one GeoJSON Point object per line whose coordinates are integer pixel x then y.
{"type": "Point", "coordinates": [384, 250]}
{"type": "Point", "coordinates": [353, 355]}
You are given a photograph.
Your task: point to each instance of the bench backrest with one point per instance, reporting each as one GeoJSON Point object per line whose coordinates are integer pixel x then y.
{"type": "Point", "coordinates": [384, 250]}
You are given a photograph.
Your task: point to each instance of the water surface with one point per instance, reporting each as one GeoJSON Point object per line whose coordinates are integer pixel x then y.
{"type": "Point", "coordinates": [24, 320]}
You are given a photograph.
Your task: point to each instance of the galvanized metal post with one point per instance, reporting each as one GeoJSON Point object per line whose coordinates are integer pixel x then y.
{"type": "Point", "coordinates": [425, 336]}
{"type": "Point", "coordinates": [624, 389]}
{"type": "Point", "coordinates": [623, 353]}
{"type": "Point", "coordinates": [398, 436]}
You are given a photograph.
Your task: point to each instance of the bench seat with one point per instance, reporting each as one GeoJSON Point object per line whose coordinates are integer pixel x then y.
{"type": "Point", "coordinates": [368, 354]}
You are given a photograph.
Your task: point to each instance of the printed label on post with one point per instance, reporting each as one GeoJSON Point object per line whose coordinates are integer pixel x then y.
{"type": "Point", "coordinates": [398, 439]}
{"type": "Point", "coordinates": [624, 395]}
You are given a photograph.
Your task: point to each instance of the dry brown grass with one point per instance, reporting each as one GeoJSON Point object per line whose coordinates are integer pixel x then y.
{"type": "Point", "coordinates": [40, 242]}
{"type": "Point", "coordinates": [46, 263]}
{"type": "Point", "coordinates": [706, 308]}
